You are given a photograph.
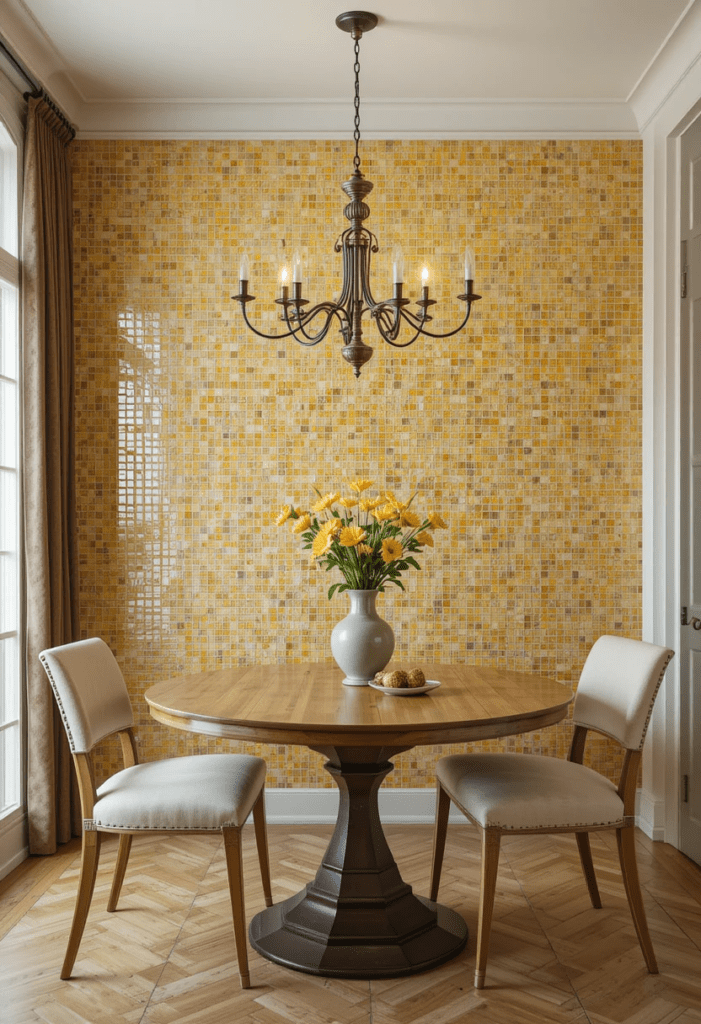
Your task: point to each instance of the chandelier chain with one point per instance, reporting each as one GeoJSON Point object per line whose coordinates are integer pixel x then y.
{"type": "Point", "coordinates": [356, 103]}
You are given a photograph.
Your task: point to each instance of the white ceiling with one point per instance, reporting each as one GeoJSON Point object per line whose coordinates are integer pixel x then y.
{"type": "Point", "coordinates": [253, 67]}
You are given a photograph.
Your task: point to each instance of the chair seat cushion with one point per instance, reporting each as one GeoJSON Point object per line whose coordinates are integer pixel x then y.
{"type": "Point", "coordinates": [202, 792]}
{"type": "Point", "coordinates": [528, 791]}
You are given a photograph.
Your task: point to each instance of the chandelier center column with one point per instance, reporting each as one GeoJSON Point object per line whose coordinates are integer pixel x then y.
{"type": "Point", "coordinates": [356, 243]}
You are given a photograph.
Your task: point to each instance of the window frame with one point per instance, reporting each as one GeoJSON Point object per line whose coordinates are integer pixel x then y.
{"type": "Point", "coordinates": [13, 822]}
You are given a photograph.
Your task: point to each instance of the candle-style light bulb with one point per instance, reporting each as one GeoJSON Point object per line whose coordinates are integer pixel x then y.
{"type": "Point", "coordinates": [397, 266]}
{"type": "Point", "coordinates": [244, 267]}
{"type": "Point", "coordinates": [424, 284]}
{"type": "Point", "coordinates": [284, 282]}
{"type": "Point", "coordinates": [297, 268]}
{"type": "Point", "coordinates": [469, 264]}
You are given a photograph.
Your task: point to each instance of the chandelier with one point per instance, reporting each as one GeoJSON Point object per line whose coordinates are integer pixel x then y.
{"type": "Point", "coordinates": [357, 244]}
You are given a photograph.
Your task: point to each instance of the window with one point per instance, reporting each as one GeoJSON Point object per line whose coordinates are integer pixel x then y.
{"type": "Point", "coordinates": [10, 637]}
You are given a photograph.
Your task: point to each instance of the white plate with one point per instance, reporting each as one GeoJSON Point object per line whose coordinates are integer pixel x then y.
{"type": "Point", "coordinates": [406, 691]}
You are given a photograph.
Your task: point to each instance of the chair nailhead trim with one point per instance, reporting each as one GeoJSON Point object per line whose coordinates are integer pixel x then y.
{"type": "Point", "coordinates": [654, 698]}
{"type": "Point", "coordinates": [162, 828]}
{"type": "Point", "coordinates": [64, 718]}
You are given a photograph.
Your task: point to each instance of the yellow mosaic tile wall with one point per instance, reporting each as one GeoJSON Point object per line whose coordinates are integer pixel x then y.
{"type": "Point", "coordinates": [524, 431]}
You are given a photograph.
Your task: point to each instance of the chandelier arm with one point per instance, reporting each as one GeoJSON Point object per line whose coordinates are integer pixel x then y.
{"type": "Point", "coordinates": [410, 318]}
{"type": "Point", "coordinates": [371, 247]}
{"type": "Point", "coordinates": [399, 344]}
{"type": "Point", "coordinates": [429, 334]}
{"type": "Point", "coordinates": [387, 324]}
{"type": "Point", "coordinates": [262, 334]}
{"type": "Point", "coordinates": [343, 248]}
{"type": "Point", "coordinates": [330, 308]}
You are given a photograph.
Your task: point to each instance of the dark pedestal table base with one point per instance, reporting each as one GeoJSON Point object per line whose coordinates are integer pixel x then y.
{"type": "Point", "coordinates": [358, 918]}
{"type": "Point", "coordinates": [273, 937]}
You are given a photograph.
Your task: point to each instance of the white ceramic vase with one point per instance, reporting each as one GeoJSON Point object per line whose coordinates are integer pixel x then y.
{"type": "Point", "coordinates": [362, 643]}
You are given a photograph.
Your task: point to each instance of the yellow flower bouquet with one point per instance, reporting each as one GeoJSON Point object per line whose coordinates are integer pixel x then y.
{"type": "Point", "coordinates": [371, 541]}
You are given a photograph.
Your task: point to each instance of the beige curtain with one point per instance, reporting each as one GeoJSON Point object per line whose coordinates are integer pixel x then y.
{"type": "Point", "coordinates": [49, 488]}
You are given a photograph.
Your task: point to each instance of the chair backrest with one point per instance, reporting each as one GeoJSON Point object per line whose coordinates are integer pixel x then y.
{"type": "Point", "coordinates": [618, 686]}
{"type": "Point", "coordinates": [90, 691]}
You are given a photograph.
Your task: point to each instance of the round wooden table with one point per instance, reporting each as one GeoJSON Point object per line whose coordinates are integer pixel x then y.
{"type": "Point", "coordinates": [358, 918]}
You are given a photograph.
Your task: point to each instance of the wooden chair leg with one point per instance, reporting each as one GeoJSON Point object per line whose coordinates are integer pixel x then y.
{"type": "Point", "coordinates": [491, 839]}
{"type": "Point", "coordinates": [629, 869]}
{"type": "Point", "coordinates": [439, 833]}
{"type": "Point", "coordinates": [88, 872]}
{"type": "Point", "coordinates": [261, 831]}
{"type": "Point", "coordinates": [584, 847]}
{"type": "Point", "coordinates": [119, 871]}
{"type": "Point", "coordinates": [234, 865]}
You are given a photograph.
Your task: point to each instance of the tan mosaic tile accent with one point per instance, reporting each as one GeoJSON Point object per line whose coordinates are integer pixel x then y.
{"type": "Point", "coordinates": [524, 431]}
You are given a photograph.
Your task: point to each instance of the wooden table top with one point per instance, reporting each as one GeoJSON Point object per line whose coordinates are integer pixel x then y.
{"type": "Point", "coordinates": [309, 705]}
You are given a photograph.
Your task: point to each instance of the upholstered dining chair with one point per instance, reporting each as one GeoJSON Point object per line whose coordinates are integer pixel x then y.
{"type": "Point", "coordinates": [508, 794]}
{"type": "Point", "coordinates": [198, 794]}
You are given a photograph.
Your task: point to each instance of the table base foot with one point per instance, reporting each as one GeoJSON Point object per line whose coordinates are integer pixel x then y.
{"type": "Point", "coordinates": [289, 943]}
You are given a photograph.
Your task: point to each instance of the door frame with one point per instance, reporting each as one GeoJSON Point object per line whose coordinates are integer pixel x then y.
{"type": "Point", "coordinates": [690, 414]}
{"type": "Point", "coordinates": [658, 808]}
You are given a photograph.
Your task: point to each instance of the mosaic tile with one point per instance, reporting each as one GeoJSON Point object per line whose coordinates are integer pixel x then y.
{"type": "Point", "coordinates": [524, 430]}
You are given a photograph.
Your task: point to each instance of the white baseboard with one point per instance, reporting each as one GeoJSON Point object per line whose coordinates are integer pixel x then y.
{"type": "Point", "coordinates": [320, 807]}
{"type": "Point", "coordinates": [13, 842]}
{"type": "Point", "coordinates": [411, 807]}
{"type": "Point", "coordinates": [649, 816]}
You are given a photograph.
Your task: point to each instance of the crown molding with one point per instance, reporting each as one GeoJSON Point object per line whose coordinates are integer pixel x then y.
{"type": "Point", "coordinates": [382, 119]}
{"type": "Point", "coordinates": [677, 58]}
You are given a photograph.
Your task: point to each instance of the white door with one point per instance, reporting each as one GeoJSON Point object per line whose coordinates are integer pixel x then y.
{"type": "Point", "coordinates": [690, 653]}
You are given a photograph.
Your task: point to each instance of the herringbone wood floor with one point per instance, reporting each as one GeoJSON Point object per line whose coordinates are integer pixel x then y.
{"type": "Point", "coordinates": [167, 956]}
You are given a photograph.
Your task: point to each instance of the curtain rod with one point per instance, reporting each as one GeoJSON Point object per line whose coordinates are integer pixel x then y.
{"type": "Point", "coordinates": [37, 91]}
{"type": "Point", "coordinates": [41, 94]}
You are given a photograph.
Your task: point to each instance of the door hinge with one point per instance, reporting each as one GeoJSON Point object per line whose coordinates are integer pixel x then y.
{"type": "Point", "coordinates": [684, 620]}
{"type": "Point", "coordinates": [685, 789]}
